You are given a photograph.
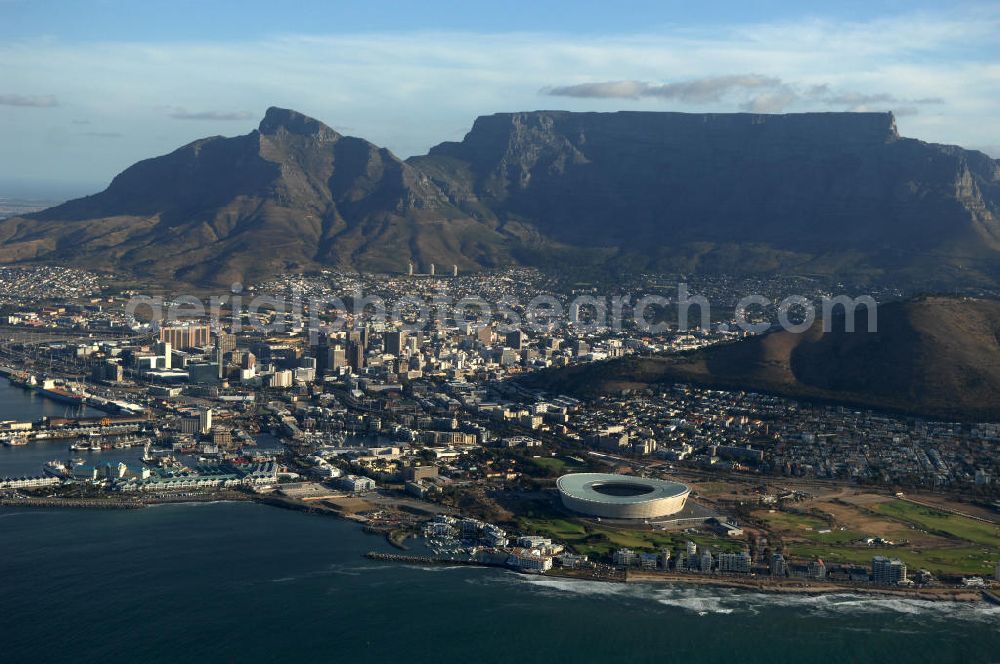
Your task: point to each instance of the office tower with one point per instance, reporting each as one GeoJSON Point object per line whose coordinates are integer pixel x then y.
{"type": "Point", "coordinates": [515, 339]}
{"type": "Point", "coordinates": [355, 356]}
{"type": "Point", "coordinates": [336, 358]}
{"type": "Point", "coordinates": [392, 343]}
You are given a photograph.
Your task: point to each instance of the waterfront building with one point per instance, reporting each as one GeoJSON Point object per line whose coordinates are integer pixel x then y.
{"type": "Point", "coordinates": [888, 571]}
{"type": "Point", "coordinates": [355, 483]}
{"type": "Point", "coordinates": [817, 569]}
{"type": "Point", "coordinates": [778, 566]}
{"type": "Point", "coordinates": [529, 560]}
{"type": "Point", "coordinates": [623, 557]}
{"type": "Point", "coordinates": [29, 482]}
{"type": "Point", "coordinates": [648, 560]}
{"type": "Point", "coordinates": [738, 563]}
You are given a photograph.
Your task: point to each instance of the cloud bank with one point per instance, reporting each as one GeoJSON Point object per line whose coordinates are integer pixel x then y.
{"type": "Point", "coordinates": [755, 93]}
{"type": "Point", "coordinates": [939, 72]}
{"type": "Point", "coordinates": [27, 101]}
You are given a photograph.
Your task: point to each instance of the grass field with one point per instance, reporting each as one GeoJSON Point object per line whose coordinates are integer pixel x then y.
{"type": "Point", "coordinates": [951, 525]}
{"type": "Point", "coordinates": [954, 561]}
{"type": "Point", "coordinates": [955, 545]}
{"type": "Point", "coordinates": [557, 465]}
{"type": "Point", "coordinates": [596, 540]}
{"type": "Point", "coordinates": [806, 527]}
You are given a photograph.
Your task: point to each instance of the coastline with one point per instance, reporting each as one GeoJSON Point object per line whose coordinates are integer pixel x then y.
{"type": "Point", "coordinates": [803, 588]}
{"type": "Point", "coordinates": [629, 576]}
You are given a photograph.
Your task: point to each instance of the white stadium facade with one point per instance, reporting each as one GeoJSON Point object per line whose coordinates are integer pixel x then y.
{"type": "Point", "coordinates": [621, 496]}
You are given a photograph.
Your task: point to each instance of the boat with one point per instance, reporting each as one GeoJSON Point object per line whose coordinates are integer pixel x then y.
{"type": "Point", "coordinates": [55, 469]}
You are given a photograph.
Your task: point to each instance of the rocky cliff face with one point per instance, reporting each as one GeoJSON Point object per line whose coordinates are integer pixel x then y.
{"type": "Point", "coordinates": [809, 182]}
{"type": "Point", "coordinates": [814, 192]}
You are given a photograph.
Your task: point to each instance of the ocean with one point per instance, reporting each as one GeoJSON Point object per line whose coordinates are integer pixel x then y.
{"type": "Point", "coordinates": [250, 583]}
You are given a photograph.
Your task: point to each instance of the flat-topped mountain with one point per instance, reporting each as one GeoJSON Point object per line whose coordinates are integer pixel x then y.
{"type": "Point", "coordinates": [814, 193]}
{"type": "Point", "coordinates": [930, 356]}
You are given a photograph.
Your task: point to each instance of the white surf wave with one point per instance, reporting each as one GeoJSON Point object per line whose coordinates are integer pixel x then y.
{"type": "Point", "coordinates": [705, 600]}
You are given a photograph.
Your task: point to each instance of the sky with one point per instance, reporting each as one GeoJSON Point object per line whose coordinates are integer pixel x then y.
{"type": "Point", "coordinates": [89, 87]}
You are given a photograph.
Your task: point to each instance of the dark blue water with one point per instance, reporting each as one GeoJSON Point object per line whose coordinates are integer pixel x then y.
{"type": "Point", "coordinates": [243, 582]}
{"type": "Point", "coordinates": [28, 459]}
{"type": "Point", "coordinates": [26, 406]}
{"type": "Point", "coordinates": [23, 405]}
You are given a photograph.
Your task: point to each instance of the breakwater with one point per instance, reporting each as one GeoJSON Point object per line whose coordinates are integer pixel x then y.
{"type": "Point", "coordinates": [424, 560]}
{"type": "Point", "coordinates": [96, 503]}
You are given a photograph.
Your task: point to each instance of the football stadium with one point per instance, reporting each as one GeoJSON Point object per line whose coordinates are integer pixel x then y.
{"type": "Point", "coordinates": [620, 496]}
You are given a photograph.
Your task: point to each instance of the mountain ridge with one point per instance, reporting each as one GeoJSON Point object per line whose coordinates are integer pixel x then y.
{"type": "Point", "coordinates": [811, 192]}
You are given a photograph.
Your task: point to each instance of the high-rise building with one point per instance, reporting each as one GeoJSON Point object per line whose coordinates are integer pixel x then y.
{"type": "Point", "coordinates": [336, 358]}
{"type": "Point", "coordinates": [280, 379]}
{"type": "Point", "coordinates": [165, 349]}
{"type": "Point", "coordinates": [110, 371]}
{"type": "Point", "coordinates": [515, 339]}
{"type": "Point", "coordinates": [192, 335]}
{"type": "Point", "coordinates": [392, 342]}
{"type": "Point", "coordinates": [778, 565]}
{"type": "Point", "coordinates": [735, 562]}
{"type": "Point", "coordinates": [817, 569]}
{"type": "Point", "coordinates": [356, 356]}
{"type": "Point", "coordinates": [888, 571]}
{"type": "Point", "coordinates": [205, 420]}
{"type": "Point", "coordinates": [222, 437]}
{"type": "Point", "coordinates": [360, 336]}
{"type": "Point", "coordinates": [225, 341]}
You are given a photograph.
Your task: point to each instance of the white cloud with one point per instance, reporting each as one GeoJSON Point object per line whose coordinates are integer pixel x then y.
{"type": "Point", "coordinates": [699, 90]}
{"type": "Point", "coordinates": [409, 91]}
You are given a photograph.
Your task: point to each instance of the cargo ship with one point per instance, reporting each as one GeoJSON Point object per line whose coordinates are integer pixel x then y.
{"type": "Point", "coordinates": [49, 389]}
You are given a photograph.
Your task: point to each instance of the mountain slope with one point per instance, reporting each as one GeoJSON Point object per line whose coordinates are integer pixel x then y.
{"type": "Point", "coordinates": [828, 193]}
{"type": "Point", "coordinates": [931, 357]}
{"type": "Point", "coordinates": [292, 195]}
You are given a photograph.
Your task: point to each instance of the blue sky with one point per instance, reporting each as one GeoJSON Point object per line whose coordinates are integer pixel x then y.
{"type": "Point", "coordinates": [87, 88]}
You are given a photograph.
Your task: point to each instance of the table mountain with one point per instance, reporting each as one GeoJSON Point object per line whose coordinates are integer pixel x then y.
{"type": "Point", "coordinates": [830, 193]}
